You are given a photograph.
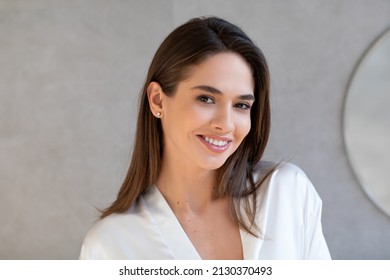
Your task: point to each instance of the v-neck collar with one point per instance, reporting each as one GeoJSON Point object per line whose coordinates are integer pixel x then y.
{"type": "Point", "coordinates": [170, 227]}
{"type": "Point", "coordinates": [251, 244]}
{"type": "Point", "coordinates": [177, 239]}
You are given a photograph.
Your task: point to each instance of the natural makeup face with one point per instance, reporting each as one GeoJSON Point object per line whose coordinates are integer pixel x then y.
{"type": "Point", "coordinates": [208, 116]}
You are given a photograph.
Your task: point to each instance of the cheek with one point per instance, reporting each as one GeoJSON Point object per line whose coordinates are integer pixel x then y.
{"type": "Point", "coordinates": [243, 126]}
{"type": "Point", "coordinates": [199, 115]}
{"type": "Point", "coordinates": [185, 118]}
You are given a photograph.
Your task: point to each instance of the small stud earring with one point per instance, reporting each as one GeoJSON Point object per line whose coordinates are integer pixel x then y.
{"type": "Point", "coordinates": [158, 114]}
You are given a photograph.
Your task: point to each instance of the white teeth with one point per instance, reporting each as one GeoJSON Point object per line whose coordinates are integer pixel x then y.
{"type": "Point", "coordinates": [215, 142]}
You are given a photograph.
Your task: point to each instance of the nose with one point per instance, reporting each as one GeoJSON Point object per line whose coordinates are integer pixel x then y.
{"type": "Point", "coordinates": [223, 120]}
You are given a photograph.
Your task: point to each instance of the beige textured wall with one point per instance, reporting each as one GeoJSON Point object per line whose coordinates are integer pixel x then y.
{"type": "Point", "coordinates": [70, 73]}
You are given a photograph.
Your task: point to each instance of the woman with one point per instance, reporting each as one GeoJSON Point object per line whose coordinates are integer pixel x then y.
{"type": "Point", "coordinates": [196, 188]}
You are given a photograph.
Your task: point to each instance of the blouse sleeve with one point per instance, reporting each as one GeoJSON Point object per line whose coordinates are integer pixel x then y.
{"type": "Point", "coordinates": [315, 246]}
{"type": "Point", "coordinates": [96, 243]}
{"type": "Point", "coordinates": [85, 253]}
{"type": "Point", "coordinates": [289, 217]}
{"type": "Point", "coordinates": [89, 252]}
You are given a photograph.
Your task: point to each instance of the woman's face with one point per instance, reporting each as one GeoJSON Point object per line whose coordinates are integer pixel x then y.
{"type": "Point", "coordinates": [208, 117]}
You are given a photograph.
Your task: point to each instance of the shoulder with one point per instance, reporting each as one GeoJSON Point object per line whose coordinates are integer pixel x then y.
{"type": "Point", "coordinates": [293, 178]}
{"type": "Point", "coordinates": [288, 184]}
{"type": "Point", "coordinates": [108, 235]}
{"type": "Point", "coordinates": [100, 236]}
{"type": "Point", "coordinates": [288, 202]}
{"type": "Point", "coordinates": [289, 172]}
{"type": "Point", "coordinates": [284, 174]}
{"type": "Point", "coordinates": [280, 170]}
{"type": "Point", "coordinates": [103, 228]}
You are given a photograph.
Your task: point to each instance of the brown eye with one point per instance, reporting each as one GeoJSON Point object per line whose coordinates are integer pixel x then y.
{"type": "Point", "coordinates": [205, 99]}
{"type": "Point", "coordinates": [242, 106]}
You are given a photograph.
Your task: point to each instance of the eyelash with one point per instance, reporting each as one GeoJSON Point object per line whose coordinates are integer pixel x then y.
{"type": "Point", "coordinates": [203, 99]}
{"type": "Point", "coordinates": [210, 100]}
{"type": "Point", "coordinates": [243, 106]}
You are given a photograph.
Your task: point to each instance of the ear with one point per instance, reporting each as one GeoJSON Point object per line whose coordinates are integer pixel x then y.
{"type": "Point", "coordinates": [155, 97]}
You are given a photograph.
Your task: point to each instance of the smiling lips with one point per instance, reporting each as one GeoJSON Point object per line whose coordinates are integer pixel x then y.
{"type": "Point", "coordinates": [215, 142]}
{"type": "Point", "coordinates": [215, 145]}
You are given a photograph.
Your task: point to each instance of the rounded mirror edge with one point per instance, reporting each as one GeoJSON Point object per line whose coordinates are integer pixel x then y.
{"type": "Point", "coordinates": [350, 85]}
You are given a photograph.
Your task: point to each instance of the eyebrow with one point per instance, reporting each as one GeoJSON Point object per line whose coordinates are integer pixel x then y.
{"type": "Point", "coordinates": [213, 90]}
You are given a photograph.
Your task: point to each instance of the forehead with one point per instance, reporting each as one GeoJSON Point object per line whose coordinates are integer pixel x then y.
{"type": "Point", "coordinates": [228, 72]}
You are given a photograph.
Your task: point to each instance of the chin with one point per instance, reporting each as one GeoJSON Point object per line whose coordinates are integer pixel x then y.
{"type": "Point", "coordinates": [213, 165]}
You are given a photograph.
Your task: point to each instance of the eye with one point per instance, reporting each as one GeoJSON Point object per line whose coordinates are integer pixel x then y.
{"type": "Point", "coordinates": [205, 99]}
{"type": "Point", "coordinates": [243, 106]}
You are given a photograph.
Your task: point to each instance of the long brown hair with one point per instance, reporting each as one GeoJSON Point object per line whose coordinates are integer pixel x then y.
{"type": "Point", "coordinates": [186, 46]}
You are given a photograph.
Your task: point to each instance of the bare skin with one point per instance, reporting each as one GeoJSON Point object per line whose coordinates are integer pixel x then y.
{"type": "Point", "coordinates": [208, 223]}
{"type": "Point", "coordinates": [203, 124]}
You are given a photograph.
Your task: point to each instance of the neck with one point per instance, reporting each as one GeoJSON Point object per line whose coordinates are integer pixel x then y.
{"type": "Point", "coordinates": [186, 188]}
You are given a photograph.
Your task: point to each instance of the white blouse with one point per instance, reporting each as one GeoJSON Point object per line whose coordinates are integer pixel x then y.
{"type": "Point", "coordinates": [289, 216]}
